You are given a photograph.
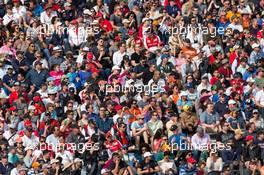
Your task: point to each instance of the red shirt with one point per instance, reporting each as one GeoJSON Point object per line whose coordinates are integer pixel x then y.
{"type": "Point", "coordinates": [138, 41]}
{"type": "Point", "coordinates": [226, 72]}
{"type": "Point", "coordinates": [259, 34]}
{"type": "Point", "coordinates": [113, 146]}
{"type": "Point", "coordinates": [213, 80]}
{"type": "Point", "coordinates": [106, 25]}
{"type": "Point", "coordinates": [152, 42]}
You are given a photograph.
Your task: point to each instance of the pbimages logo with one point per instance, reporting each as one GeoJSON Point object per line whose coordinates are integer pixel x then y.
{"type": "Point", "coordinates": [80, 147]}
{"type": "Point", "coordinates": [48, 29]}
{"type": "Point", "coordinates": [196, 30]}
{"type": "Point", "coordinates": [213, 146]}
{"type": "Point", "coordinates": [116, 88]}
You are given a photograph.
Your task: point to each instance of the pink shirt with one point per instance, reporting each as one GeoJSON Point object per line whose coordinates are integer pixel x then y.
{"type": "Point", "coordinates": [7, 50]}
{"type": "Point", "coordinates": [179, 62]}
{"type": "Point", "coordinates": [57, 75]}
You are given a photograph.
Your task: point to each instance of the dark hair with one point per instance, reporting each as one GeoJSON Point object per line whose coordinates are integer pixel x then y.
{"type": "Point", "coordinates": [158, 134]}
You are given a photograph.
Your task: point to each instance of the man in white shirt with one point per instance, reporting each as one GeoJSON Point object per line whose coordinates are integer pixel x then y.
{"type": "Point", "coordinates": [77, 34]}
{"type": "Point", "coordinates": [259, 100]}
{"type": "Point", "coordinates": [47, 15]}
{"type": "Point", "coordinates": [200, 140]}
{"type": "Point", "coordinates": [53, 139]}
{"type": "Point", "coordinates": [118, 55]}
{"type": "Point", "coordinates": [19, 11]}
{"type": "Point", "coordinates": [9, 15]}
{"type": "Point", "coordinates": [11, 134]}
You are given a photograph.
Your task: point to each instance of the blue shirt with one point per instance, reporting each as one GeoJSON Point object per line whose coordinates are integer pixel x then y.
{"type": "Point", "coordinates": [184, 170]}
{"type": "Point", "coordinates": [38, 10]}
{"type": "Point", "coordinates": [84, 76]}
{"type": "Point", "coordinates": [177, 140]}
{"type": "Point", "coordinates": [104, 125]}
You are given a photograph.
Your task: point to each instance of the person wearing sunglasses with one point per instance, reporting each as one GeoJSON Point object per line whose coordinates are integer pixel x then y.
{"type": "Point", "coordinates": [139, 130]}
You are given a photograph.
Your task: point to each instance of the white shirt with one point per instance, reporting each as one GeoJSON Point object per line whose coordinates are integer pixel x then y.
{"type": "Point", "coordinates": [115, 117]}
{"type": "Point", "coordinates": [260, 97]}
{"type": "Point", "coordinates": [53, 141]}
{"type": "Point", "coordinates": [45, 19]}
{"type": "Point", "coordinates": [14, 171]}
{"type": "Point", "coordinates": [79, 59]}
{"type": "Point", "coordinates": [66, 156]}
{"type": "Point", "coordinates": [198, 142]}
{"type": "Point", "coordinates": [235, 27]}
{"type": "Point", "coordinates": [77, 38]}
{"type": "Point", "coordinates": [241, 69]}
{"type": "Point", "coordinates": [200, 87]}
{"type": "Point", "coordinates": [7, 134]}
{"type": "Point", "coordinates": [19, 12]}
{"type": "Point", "coordinates": [118, 57]}
{"type": "Point", "coordinates": [30, 142]}
{"type": "Point", "coordinates": [7, 18]}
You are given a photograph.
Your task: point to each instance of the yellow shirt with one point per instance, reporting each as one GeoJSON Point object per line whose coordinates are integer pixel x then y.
{"type": "Point", "coordinates": [229, 14]}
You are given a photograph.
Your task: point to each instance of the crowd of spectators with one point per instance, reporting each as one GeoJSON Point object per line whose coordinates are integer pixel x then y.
{"type": "Point", "coordinates": [132, 87]}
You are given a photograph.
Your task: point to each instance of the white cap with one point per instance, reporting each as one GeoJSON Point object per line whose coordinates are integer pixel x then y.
{"type": "Point", "coordinates": [86, 49]}
{"type": "Point", "coordinates": [76, 160]}
{"type": "Point", "coordinates": [95, 22]}
{"type": "Point", "coordinates": [59, 23]}
{"type": "Point", "coordinates": [52, 91]}
{"type": "Point", "coordinates": [231, 102]}
{"type": "Point", "coordinates": [104, 171]}
{"type": "Point", "coordinates": [157, 16]}
{"type": "Point", "coordinates": [250, 80]}
{"type": "Point", "coordinates": [28, 148]}
{"type": "Point", "coordinates": [115, 68]}
{"type": "Point", "coordinates": [125, 21]}
{"type": "Point", "coordinates": [145, 19]}
{"type": "Point", "coordinates": [54, 161]}
{"type": "Point", "coordinates": [87, 12]}
{"type": "Point", "coordinates": [183, 93]}
{"type": "Point", "coordinates": [9, 67]}
{"type": "Point", "coordinates": [147, 154]}
{"type": "Point", "coordinates": [255, 45]}
{"type": "Point", "coordinates": [57, 48]}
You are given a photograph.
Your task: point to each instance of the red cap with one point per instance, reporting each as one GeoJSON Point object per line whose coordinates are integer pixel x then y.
{"type": "Point", "coordinates": [118, 107]}
{"type": "Point", "coordinates": [117, 38]}
{"type": "Point", "coordinates": [191, 160]}
{"type": "Point", "coordinates": [13, 108]}
{"type": "Point", "coordinates": [74, 22]}
{"type": "Point", "coordinates": [90, 55]}
{"type": "Point", "coordinates": [36, 99]}
{"type": "Point", "coordinates": [233, 82]}
{"type": "Point", "coordinates": [27, 122]}
{"type": "Point", "coordinates": [249, 137]}
{"type": "Point", "coordinates": [16, 1]}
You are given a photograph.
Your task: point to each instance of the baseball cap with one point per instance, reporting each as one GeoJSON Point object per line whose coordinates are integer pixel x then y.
{"type": "Point", "coordinates": [35, 164]}
{"type": "Point", "coordinates": [255, 111]}
{"type": "Point", "coordinates": [231, 102]}
{"type": "Point", "coordinates": [191, 160]}
{"type": "Point", "coordinates": [54, 161]}
{"type": "Point", "coordinates": [255, 45]}
{"type": "Point", "coordinates": [249, 137]}
{"type": "Point", "coordinates": [118, 107]}
{"type": "Point", "coordinates": [37, 63]}
{"type": "Point", "coordinates": [147, 154]}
